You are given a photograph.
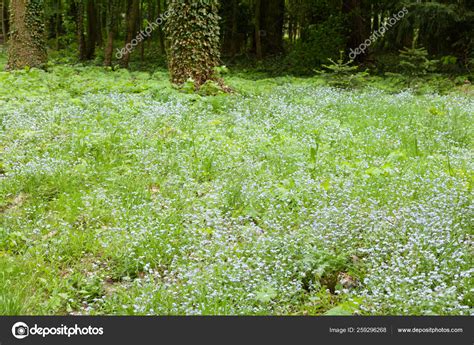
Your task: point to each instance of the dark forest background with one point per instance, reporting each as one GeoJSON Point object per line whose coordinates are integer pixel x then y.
{"type": "Point", "coordinates": [284, 36]}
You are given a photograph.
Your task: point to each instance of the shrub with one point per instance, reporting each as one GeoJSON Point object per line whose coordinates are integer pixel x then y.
{"type": "Point", "coordinates": [343, 74]}
{"type": "Point", "coordinates": [414, 61]}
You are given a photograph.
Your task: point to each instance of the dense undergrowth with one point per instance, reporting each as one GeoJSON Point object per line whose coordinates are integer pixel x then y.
{"type": "Point", "coordinates": [121, 195]}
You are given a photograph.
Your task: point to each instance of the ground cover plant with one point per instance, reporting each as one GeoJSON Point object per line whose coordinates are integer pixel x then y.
{"type": "Point", "coordinates": [121, 195]}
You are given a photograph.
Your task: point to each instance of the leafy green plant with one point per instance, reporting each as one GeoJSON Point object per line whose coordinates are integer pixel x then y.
{"type": "Point", "coordinates": [415, 63]}
{"type": "Point", "coordinates": [210, 88]}
{"type": "Point", "coordinates": [343, 74]}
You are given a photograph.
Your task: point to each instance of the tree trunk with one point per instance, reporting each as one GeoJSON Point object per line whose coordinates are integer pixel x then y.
{"type": "Point", "coordinates": [140, 28]}
{"type": "Point", "coordinates": [358, 25]}
{"type": "Point", "coordinates": [194, 35]}
{"type": "Point", "coordinates": [99, 24]}
{"type": "Point", "coordinates": [27, 43]}
{"type": "Point", "coordinates": [258, 31]}
{"type": "Point", "coordinates": [3, 19]}
{"type": "Point", "coordinates": [269, 20]}
{"type": "Point", "coordinates": [161, 37]}
{"type": "Point", "coordinates": [151, 17]}
{"type": "Point", "coordinates": [81, 40]}
{"type": "Point", "coordinates": [92, 29]}
{"type": "Point", "coordinates": [272, 20]}
{"type": "Point", "coordinates": [132, 16]}
{"type": "Point", "coordinates": [234, 46]}
{"type": "Point", "coordinates": [58, 23]}
{"type": "Point", "coordinates": [110, 24]}
{"type": "Point", "coordinates": [109, 49]}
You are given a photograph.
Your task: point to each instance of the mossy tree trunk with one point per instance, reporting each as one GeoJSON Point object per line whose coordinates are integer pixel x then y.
{"type": "Point", "coordinates": [193, 32]}
{"type": "Point", "coordinates": [27, 42]}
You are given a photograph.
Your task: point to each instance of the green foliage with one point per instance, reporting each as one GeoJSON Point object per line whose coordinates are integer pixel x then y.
{"type": "Point", "coordinates": [210, 88]}
{"type": "Point", "coordinates": [321, 269]}
{"type": "Point", "coordinates": [414, 61]}
{"type": "Point", "coordinates": [343, 74]}
{"type": "Point", "coordinates": [323, 40]}
{"type": "Point", "coordinates": [346, 308]}
{"type": "Point", "coordinates": [120, 195]}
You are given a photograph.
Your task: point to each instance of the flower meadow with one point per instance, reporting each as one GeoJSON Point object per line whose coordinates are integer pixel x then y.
{"type": "Point", "coordinates": [120, 195]}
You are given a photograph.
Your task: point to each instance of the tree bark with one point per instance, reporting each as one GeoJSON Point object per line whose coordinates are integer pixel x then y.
{"type": "Point", "coordinates": [3, 19]}
{"type": "Point", "coordinates": [194, 35]}
{"type": "Point", "coordinates": [269, 20]}
{"type": "Point", "coordinates": [258, 31]}
{"type": "Point", "coordinates": [358, 25]}
{"type": "Point", "coordinates": [132, 16]}
{"type": "Point", "coordinates": [234, 47]}
{"type": "Point", "coordinates": [161, 36]}
{"type": "Point", "coordinates": [92, 29]}
{"type": "Point", "coordinates": [27, 43]}
{"type": "Point", "coordinates": [272, 18]}
{"type": "Point", "coordinates": [81, 40]}
{"type": "Point", "coordinates": [140, 21]}
{"type": "Point", "coordinates": [110, 27]}
{"type": "Point", "coordinates": [58, 23]}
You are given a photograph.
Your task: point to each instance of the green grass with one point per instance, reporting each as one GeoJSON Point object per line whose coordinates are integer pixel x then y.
{"type": "Point", "coordinates": [120, 195]}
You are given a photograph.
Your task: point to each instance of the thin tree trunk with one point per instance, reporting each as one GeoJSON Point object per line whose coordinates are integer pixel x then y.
{"type": "Point", "coordinates": [2, 18]}
{"type": "Point", "coordinates": [109, 49]}
{"type": "Point", "coordinates": [234, 45]}
{"type": "Point", "coordinates": [99, 24]}
{"type": "Point", "coordinates": [132, 15]}
{"type": "Point", "coordinates": [258, 39]}
{"type": "Point", "coordinates": [290, 29]}
{"type": "Point", "coordinates": [140, 21]}
{"type": "Point", "coordinates": [110, 27]}
{"type": "Point", "coordinates": [91, 29]}
{"type": "Point", "coordinates": [271, 23]}
{"type": "Point", "coordinates": [81, 40]}
{"type": "Point", "coordinates": [151, 17]}
{"type": "Point", "coordinates": [58, 23]}
{"type": "Point", "coordinates": [161, 37]}
{"type": "Point", "coordinates": [359, 26]}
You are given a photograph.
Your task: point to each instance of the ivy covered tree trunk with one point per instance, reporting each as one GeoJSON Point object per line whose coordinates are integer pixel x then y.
{"type": "Point", "coordinates": [193, 31]}
{"type": "Point", "coordinates": [27, 43]}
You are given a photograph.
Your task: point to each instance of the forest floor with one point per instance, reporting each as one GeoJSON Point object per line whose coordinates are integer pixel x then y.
{"type": "Point", "coordinates": [121, 195]}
